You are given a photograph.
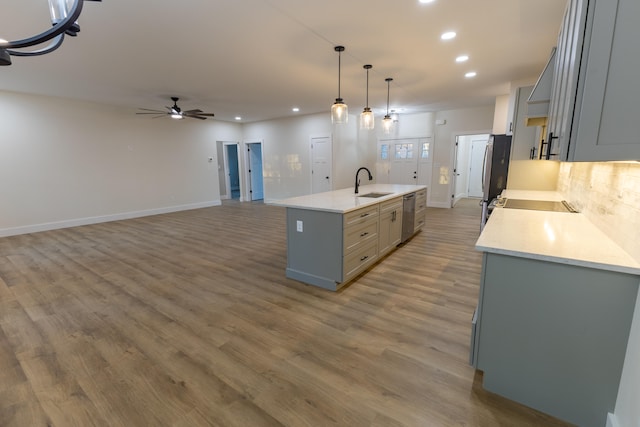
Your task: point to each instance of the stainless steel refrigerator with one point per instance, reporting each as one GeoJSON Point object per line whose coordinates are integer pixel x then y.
{"type": "Point", "coordinates": [495, 168]}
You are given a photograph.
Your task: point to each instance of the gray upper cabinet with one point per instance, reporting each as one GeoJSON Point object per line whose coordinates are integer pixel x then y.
{"type": "Point", "coordinates": [592, 114]}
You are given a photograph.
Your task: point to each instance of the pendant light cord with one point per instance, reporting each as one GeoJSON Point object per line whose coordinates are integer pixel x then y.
{"type": "Point", "coordinates": [367, 87]}
{"type": "Point", "coordinates": [339, 67]}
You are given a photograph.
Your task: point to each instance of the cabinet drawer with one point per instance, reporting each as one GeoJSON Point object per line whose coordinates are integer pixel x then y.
{"type": "Point", "coordinates": [360, 216]}
{"type": "Point", "coordinates": [420, 219]}
{"type": "Point", "coordinates": [359, 234]}
{"type": "Point", "coordinates": [359, 260]}
{"type": "Point", "coordinates": [390, 205]}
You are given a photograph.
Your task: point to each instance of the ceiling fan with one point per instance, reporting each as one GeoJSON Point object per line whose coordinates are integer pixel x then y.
{"type": "Point", "coordinates": [176, 113]}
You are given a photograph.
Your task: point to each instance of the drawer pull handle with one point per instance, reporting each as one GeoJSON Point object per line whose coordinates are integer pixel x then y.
{"type": "Point", "coordinates": [363, 215]}
{"type": "Point", "coordinates": [364, 234]}
{"type": "Point", "coordinates": [364, 257]}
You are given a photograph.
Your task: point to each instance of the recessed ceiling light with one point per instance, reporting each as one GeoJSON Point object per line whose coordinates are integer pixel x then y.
{"type": "Point", "coordinates": [462, 58]}
{"type": "Point", "coordinates": [426, 1]}
{"type": "Point", "coordinates": [471, 74]}
{"type": "Point", "coordinates": [295, 109]}
{"type": "Point", "coordinates": [238, 118]}
{"type": "Point", "coordinates": [448, 35]}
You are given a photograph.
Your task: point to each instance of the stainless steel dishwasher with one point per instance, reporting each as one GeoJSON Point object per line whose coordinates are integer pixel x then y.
{"type": "Point", "coordinates": [408, 215]}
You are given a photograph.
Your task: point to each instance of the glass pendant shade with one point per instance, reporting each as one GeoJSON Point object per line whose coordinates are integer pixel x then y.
{"type": "Point", "coordinates": [387, 124]}
{"type": "Point", "coordinates": [367, 121]}
{"type": "Point", "coordinates": [339, 111]}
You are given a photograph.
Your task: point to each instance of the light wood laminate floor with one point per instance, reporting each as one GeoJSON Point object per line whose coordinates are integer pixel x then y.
{"type": "Point", "coordinates": [187, 319]}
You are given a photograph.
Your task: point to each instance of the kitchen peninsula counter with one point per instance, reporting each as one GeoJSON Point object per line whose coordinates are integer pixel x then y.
{"type": "Point", "coordinates": [555, 307]}
{"type": "Point", "coordinates": [345, 200]}
{"type": "Point", "coordinates": [335, 236]}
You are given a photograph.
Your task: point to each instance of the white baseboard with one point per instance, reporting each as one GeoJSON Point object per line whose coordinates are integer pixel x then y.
{"type": "Point", "coordinates": [612, 420]}
{"type": "Point", "coordinates": [26, 229]}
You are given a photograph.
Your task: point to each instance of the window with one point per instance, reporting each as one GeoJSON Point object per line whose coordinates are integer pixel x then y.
{"type": "Point", "coordinates": [404, 151]}
{"type": "Point", "coordinates": [384, 152]}
{"type": "Point", "coordinates": [424, 152]}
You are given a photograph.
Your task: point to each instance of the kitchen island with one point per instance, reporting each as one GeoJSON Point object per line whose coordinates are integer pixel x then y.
{"type": "Point", "coordinates": [334, 236]}
{"type": "Point", "coordinates": [556, 302]}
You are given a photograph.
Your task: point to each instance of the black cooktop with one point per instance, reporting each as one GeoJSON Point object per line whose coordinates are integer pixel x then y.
{"type": "Point", "coordinates": [538, 205]}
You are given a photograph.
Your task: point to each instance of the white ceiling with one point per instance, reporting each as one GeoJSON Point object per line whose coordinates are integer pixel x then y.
{"type": "Point", "coordinates": [259, 58]}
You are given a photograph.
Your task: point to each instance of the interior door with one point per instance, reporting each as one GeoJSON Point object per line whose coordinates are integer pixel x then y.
{"type": "Point", "coordinates": [321, 162]}
{"type": "Point", "coordinates": [461, 171]}
{"type": "Point", "coordinates": [255, 171]}
{"type": "Point", "coordinates": [403, 167]}
{"type": "Point", "coordinates": [478, 146]}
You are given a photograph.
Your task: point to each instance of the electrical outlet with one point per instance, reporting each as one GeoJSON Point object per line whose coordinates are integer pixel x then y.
{"type": "Point", "coordinates": [299, 226]}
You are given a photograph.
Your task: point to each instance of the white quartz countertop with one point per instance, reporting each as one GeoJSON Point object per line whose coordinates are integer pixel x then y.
{"type": "Point", "coordinates": [563, 237]}
{"type": "Point", "coordinates": [345, 200]}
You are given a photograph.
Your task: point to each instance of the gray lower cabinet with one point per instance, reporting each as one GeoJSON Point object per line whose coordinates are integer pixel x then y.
{"type": "Point", "coordinates": [421, 210]}
{"type": "Point", "coordinates": [390, 225]}
{"type": "Point", "coordinates": [328, 249]}
{"type": "Point", "coordinates": [553, 336]}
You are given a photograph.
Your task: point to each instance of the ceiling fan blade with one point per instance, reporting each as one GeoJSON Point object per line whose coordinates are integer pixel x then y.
{"type": "Point", "coordinates": [206, 114]}
{"type": "Point", "coordinates": [192, 111]}
{"type": "Point", "coordinates": [191, 116]}
{"type": "Point", "coordinates": [155, 112]}
{"type": "Point", "coordinates": [148, 109]}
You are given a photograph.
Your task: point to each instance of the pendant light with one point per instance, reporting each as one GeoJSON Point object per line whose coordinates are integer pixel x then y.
{"type": "Point", "coordinates": [367, 121]}
{"type": "Point", "coordinates": [387, 122]}
{"type": "Point", "coordinates": [339, 113]}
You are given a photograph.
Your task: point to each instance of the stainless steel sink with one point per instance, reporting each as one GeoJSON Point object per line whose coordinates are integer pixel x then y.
{"type": "Point", "coordinates": [374, 195]}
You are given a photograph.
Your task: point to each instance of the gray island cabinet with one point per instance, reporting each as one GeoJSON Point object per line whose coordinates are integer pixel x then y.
{"type": "Point", "coordinates": [333, 237]}
{"type": "Point", "coordinates": [555, 308]}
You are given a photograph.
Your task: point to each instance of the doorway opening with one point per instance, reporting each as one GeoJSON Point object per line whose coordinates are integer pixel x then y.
{"type": "Point", "coordinates": [254, 171]}
{"type": "Point", "coordinates": [469, 163]}
{"type": "Point", "coordinates": [229, 170]}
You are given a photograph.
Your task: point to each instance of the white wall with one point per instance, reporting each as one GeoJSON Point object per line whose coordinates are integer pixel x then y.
{"type": "Point", "coordinates": [65, 163]}
{"type": "Point", "coordinates": [458, 122]}
{"type": "Point", "coordinates": [287, 163]}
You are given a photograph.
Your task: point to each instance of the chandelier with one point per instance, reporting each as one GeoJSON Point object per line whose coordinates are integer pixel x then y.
{"type": "Point", "coordinates": [64, 21]}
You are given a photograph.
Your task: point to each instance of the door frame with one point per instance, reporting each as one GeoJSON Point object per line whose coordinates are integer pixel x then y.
{"type": "Point", "coordinates": [247, 175]}
{"type": "Point", "coordinates": [225, 161]}
{"type": "Point", "coordinates": [453, 161]}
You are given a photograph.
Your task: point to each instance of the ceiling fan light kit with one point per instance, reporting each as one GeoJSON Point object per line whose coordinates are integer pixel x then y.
{"type": "Point", "coordinates": [64, 20]}
{"type": "Point", "coordinates": [339, 110]}
{"type": "Point", "coordinates": [176, 112]}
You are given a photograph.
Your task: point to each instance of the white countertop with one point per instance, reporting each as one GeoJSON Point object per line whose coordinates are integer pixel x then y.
{"type": "Point", "coordinates": [345, 200]}
{"type": "Point", "coordinates": [563, 237]}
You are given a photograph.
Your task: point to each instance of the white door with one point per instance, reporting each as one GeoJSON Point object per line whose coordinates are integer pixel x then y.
{"type": "Point", "coordinates": [461, 171]}
{"type": "Point", "coordinates": [425, 161]}
{"type": "Point", "coordinates": [403, 166]}
{"type": "Point", "coordinates": [256, 190]}
{"type": "Point", "coordinates": [321, 160]}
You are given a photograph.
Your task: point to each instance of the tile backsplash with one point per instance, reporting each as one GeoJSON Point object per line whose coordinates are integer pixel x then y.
{"type": "Point", "coordinates": [608, 193]}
